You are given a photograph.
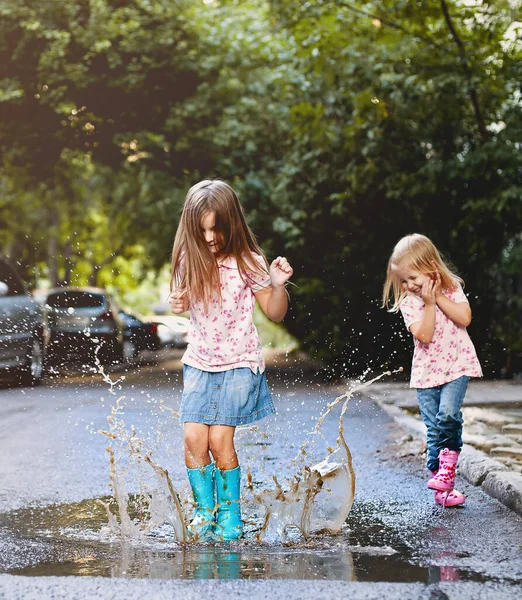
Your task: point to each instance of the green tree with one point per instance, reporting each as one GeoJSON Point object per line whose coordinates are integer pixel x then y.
{"type": "Point", "coordinates": [344, 125]}
{"type": "Point", "coordinates": [410, 122]}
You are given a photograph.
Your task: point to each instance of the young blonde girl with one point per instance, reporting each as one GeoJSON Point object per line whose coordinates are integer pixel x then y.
{"type": "Point", "coordinates": [436, 311]}
{"type": "Point", "coordinates": [218, 273]}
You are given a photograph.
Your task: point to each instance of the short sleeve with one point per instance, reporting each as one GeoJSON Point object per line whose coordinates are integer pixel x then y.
{"type": "Point", "coordinates": [458, 295]}
{"type": "Point", "coordinates": [411, 310]}
{"type": "Point", "coordinates": [259, 278]}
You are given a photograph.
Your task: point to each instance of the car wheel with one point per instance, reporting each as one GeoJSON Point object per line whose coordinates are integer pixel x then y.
{"type": "Point", "coordinates": [32, 371]}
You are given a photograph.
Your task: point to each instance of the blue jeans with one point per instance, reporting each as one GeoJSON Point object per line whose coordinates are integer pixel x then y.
{"type": "Point", "coordinates": [440, 409]}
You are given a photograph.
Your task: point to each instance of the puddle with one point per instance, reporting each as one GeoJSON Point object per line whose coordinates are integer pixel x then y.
{"type": "Point", "coordinates": [75, 540]}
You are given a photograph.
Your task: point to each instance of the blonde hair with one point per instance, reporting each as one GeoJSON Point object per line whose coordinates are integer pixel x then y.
{"type": "Point", "coordinates": [194, 266]}
{"type": "Point", "coordinates": [419, 253]}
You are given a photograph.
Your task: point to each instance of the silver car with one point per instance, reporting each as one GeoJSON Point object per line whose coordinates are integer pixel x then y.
{"type": "Point", "coordinates": [22, 338]}
{"type": "Point", "coordinates": [83, 323]}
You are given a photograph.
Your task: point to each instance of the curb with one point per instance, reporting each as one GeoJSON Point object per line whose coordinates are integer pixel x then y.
{"type": "Point", "coordinates": [476, 466]}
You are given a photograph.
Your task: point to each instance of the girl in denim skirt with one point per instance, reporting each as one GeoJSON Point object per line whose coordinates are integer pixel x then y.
{"type": "Point", "coordinates": [218, 273]}
{"type": "Point", "coordinates": [436, 311]}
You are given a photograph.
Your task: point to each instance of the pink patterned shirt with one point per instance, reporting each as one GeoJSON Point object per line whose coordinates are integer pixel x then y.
{"type": "Point", "coordinates": [449, 355]}
{"type": "Point", "coordinates": [225, 337]}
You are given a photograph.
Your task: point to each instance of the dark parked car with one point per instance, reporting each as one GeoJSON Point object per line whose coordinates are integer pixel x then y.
{"type": "Point", "coordinates": [80, 321]}
{"type": "Point", "coordinates": [172, 329]}
{"type": "Point", "coordinates": [22, 339]}
{"type": "Point", "coordinates": [138, 335]}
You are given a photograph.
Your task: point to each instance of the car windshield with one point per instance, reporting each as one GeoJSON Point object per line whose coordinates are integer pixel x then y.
{"type": "Point", "coordinates": [75, 300]}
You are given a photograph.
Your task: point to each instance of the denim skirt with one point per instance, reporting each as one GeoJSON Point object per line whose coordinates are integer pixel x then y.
{"type": "Point", "coordinates": [233, 397]}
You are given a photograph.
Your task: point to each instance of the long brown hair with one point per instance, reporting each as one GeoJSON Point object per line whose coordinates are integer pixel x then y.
{"type": "Point", "coordinates": [194, 266]}
{"type": "Point", "coordinates": [419, 253]}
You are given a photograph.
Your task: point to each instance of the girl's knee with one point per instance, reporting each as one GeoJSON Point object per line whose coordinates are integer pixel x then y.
{"type": "Point", "coordinates": [448, 416]}
{"type": "Point", "coordinates": [220, 442]}
{"type": "Point", "coordinates": [195, 441]}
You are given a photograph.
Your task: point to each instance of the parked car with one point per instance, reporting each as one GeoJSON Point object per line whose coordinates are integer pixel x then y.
{"type": "Point", "coordinates": [172, 329]}
{"type": "Point", "coordinates": [81, 320]}
{"type": "Point", "coordinates": [138, 334]}
{"type": "Point", "coordinates": [22, 334]}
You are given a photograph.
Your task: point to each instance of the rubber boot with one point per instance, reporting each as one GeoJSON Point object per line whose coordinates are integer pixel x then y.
{"type": "Point", "coordinates": [444, 480]}
{"type": "Point", "coordinates": [448, 499]}
{"type": "Point", "coordinates": [203, 483]}
{"type": "Point", "coordinates": [229, 524]}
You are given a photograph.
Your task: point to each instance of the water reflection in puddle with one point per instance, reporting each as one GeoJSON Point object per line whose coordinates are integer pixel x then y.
{"type": "Point", "coordinates": [69, 540]}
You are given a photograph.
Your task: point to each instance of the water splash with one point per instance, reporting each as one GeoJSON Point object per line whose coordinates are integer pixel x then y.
{"type": "Point", "coordinates": [321, 496]}
{"type": "Point", "coordinates": [98, 368]}
{"type": "Point", "coordinates": [162, 505]}
{"type": "Point", "coordinates": [318, 498]}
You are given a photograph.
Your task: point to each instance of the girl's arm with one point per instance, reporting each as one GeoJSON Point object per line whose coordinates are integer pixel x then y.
{"type": "Point", "coordinates": [458, 312]}
{"type": "Point", "coordinates": [423, 330]}
{"type": "Point", "coordinates": [273, 302]}
{"type": "Point", "coordinates": [273, 299]}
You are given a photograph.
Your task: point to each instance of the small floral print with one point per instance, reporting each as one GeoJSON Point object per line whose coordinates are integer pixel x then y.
{"type": "Point", "coordinates": [225, 335]}
{"type": "Point", "coordinates": [449, 355]}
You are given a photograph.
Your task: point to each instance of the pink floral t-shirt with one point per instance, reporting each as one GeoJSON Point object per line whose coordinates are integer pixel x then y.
{"type": "Point", "coordinates": [225, 337]}
{"type": "Point", "coordinates": [449, 355]}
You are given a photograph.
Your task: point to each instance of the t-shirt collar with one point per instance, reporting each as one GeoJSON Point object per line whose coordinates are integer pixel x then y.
{"type": "Point", "coordinates": [229, 261]}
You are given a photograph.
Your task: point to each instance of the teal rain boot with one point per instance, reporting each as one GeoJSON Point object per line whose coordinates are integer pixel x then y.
{"type": "Point", "coordinates": [202, 482]}
{"type": "Point", "coordinates": [229, 524]}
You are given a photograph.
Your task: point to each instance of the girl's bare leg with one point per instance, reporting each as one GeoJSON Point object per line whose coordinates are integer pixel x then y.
{"type": "Point", "coordinates": [221, 442]}
{"type": "Point", "coordinates": [196, 445]}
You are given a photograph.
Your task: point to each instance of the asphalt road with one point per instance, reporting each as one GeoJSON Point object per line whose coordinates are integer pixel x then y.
{"type": "Point", "coordinates": [397, 543]}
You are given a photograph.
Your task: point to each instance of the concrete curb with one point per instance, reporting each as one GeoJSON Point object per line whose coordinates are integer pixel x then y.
{"type": "Point", "coordinates": [476, 466]}
{"type": "Point", "coordinates": [506, 487]}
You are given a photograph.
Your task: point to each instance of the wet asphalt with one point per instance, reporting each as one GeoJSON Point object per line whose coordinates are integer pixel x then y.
{"type": "Point", "coordinates": [397, 543]}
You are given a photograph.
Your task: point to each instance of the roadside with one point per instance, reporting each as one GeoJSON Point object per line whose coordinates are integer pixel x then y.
{"type": "Point", "coordinates": [396, 542]}
{"type": "Point", "coordinates": [492, 453]}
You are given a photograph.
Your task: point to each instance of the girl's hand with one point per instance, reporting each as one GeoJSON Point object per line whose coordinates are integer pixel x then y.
{"type": "Point", "coordinates": [178, 302]}
{"type": "Point", "coordinates": [437, 281]}
{"type": "Point", "coordinates": [429, 292]}
{"type": "Point", "coordinates": [280, 271]}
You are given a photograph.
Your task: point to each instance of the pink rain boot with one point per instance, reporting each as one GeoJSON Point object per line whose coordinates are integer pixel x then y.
{"type": "Point", "coordinates": [447, 499]}
{"type": "Point", "coordinates": [444, 480]}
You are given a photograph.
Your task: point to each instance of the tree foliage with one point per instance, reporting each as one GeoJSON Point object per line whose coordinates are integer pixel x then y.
{"type": "Point", "coordinates": [344, 125]}
{"type": "Point", "coordinates": [411, 122]}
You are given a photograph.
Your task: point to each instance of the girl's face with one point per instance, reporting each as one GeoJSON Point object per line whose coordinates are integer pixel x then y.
{"type": "Point", "coordinates": [411, 280]}
{"type": "Point", "coordinates": [212, 237]}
